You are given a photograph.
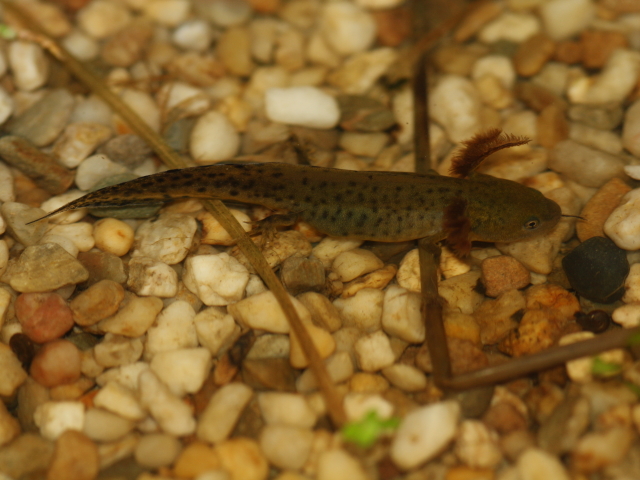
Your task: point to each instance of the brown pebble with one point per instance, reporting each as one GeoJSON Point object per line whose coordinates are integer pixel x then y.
{"type": "Point", "coordinates": [502, 273]}
{"type": "Point", "coordinates": [265, 6]}
{"type": "Point", "coordinates": [504, 418]}
{"type": "Point", "coordinates": [57, 363]}
{"type": "Point", "coordinates": [476, 19]}
{"type": "Point", "coordinates": [599, 207]}
{"type": "Point", "coordinates": [458, 59]}
{"type": "Point", "coordinates": [537, 97]}
{"type": "Point", "coordinates": [195, 459]}
{"type": "Point", "coordinates": [598, 45]}
{"type": "Point", "coordinates": [532, 54]}
{"type": "Point", "coordinates": [9, 426]}
{"type": "Point", "coordinates": [269, 373]}
{"type": "Point", "coordinates": [553, 126]}
{"type": "Point", "coordinates": [569, 52]}
{"type": "Point", "coordinates": [98, 302]}
{"type": "Point", "coordinates": [26, 457]}
{"type": "Point", "coordinates": [394, 25]}
{"type": "Point", "coordinates": [621, 6]}
{"type": "Point", "coordinates": [75, 458]}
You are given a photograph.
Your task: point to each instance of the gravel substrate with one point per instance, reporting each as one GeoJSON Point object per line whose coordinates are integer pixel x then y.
{"type": "Point", "coordinates": [143, 345]}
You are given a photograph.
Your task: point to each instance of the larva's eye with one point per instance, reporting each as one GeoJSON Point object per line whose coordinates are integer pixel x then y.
{"type": "Point", "coordinates": [532, 223]}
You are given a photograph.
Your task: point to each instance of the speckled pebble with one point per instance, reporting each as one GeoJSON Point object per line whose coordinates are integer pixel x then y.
{"type": "Point", "coordinates": [43, 316]}
{"type": "Point", "coordinates": [150, 277]}
{"type": "Point", "coordinates": [47, 267]}
{"type": "Point", "coordinates": [502, 273]}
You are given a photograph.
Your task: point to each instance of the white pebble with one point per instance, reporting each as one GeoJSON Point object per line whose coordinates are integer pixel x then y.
{"type": "Point", "coordinates": [424, 433]}
{"type": "Point", "coordinates": [513, 27]}
{"type": "Point", "coordinates": [339, 465]}
{"type": "Point", "coordinates": [374, 352]}
{"type": "Point", "coordinates": [29, 65]}
{"type": "Point", "coordinates": [329, 248]}
{"type": "Point", "coordinates": [78, 141]}
{"type": "Point", "coordinates": [113, 236]}
{"type": "Point", "coordinates": [189, 98]}
{"type": "Point", "coordinates": [356, 262]}
{"type": "Point", "coordinates": [81, 46]}
{"type": "Point", "coordinates": [498, 66]}
{"type": "Point", "coordinates": [304, 106]}
{"type": "Point", "coordinates": [104, 426]}
{"type": "Point", "coordinates": [363, 310]}
{"type": "Point", "coordinates": [565, 18]}
{"type": "Point", "coordinates": [405, 377]}
{"type": "Point", "coordinates": [172, 414]}
{"type": "Point", "coordinates": [168, 238]}
{"type": "Point", "coordinates": [623, 225]}
{"type": "Point", "coordinates": [183, 370]}
{"type": "Point", "coordinates": [222, 412]}
{"type": "Point", "coordinates": [358, 405]}
{"type": "Point", "coordinates": [216, 279]}
{"type": "Point", "coordinates": [632, 285]}
{"type": "Point", "coordinates": [627, 315]}
{"type": "Point", "coordinates": [477, 446]}
{"type": "Point", "coordinates": [364, 144]}
{"type": "Point", "coordinates": [339, 367]}
{"type": "Point", "coordinates": [287, 409]}
{"type": "Point", "coordinates": [213, 233]}
{"type": "Point", "coordinates": [103, 18]}
{"type": "Point", "coordinates": [64, 242]}
{"type": "Point", "coordinates": [193, 35]}
{"type": "Point", "coordinates": [127, 375]}
{"type": "Point", "coordinates": [631, 129]}
{"type": "Point", "coordinates": [55, 418]}
{"type": "Point", "coordinates": [156, 450]}
{"type": "Point", "coordinates": [614, 83]}
{"type": "Point", "coordinates": [401, 315]}
{"type": "Point", "coordinates": [213, 138]}
{"type": "Point", "coordinates": [286, 446]}
{"type": "Point", "coordinates": [119, 400]}
{"type": "Point", "coordinates": [144, 105]}
{"type": "Point", "coordinates": [168, 12]}
{"type": "Point", "coordinates": [6, 105]}
{"type": "Point", "coordinates": [96, 168]}
{"type": "Point", "coordinates": [58, 201]}
{"type": "Point", "coordinates": [536, 464]}
{"type": "Point", "coordinates": [262, 312]}
{"type": "Point", "coordinates": [91, 109]}
{"type": "Point", "coordinates": [347, 28]}
{"type": "Point", "coordinates": [173, 329]}
{"type": "Point", "coordinates": [150, 277]}
{"type": "Point", "coordinates": [455, 105]}
{"type": "Point", "coordinates": [216, 330]}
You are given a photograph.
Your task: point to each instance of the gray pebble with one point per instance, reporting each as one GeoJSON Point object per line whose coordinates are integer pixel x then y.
{"type": "Point", "coordinates": [43, 122]}
{"type": "Point", "coordinates": [129, 150]}
{"type": "Point", "coordinates": [602, 117]}
{"type": "Point", "coordinates": [17, 215]}
{"type": "Point", "coordinates": [587, 166]}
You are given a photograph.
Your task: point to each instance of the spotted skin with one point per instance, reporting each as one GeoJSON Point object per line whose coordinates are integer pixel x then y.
{"type": "Point", "coordinates": [382, 206]}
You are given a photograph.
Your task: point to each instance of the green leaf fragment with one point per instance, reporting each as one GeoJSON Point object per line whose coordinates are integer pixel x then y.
{"type": "Point", "coordinates": [366, 431]}
{"type": "Point", "coordinates": [7, 32]}
{"type": "Point", "coordinates": [602, 368]}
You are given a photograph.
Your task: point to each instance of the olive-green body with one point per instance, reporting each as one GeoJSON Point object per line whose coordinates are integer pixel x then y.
{"type": "Point", "coordinates": [382, 206]}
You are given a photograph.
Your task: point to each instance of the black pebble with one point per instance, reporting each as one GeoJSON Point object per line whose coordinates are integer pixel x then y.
{"type": "Point", "coordinates": [597, 269]}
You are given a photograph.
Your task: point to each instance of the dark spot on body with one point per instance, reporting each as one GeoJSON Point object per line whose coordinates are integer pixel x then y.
{"type": "Point", "coordinates": [202, 189]}
{"type": "Point", "coordinates": [234, 193]}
